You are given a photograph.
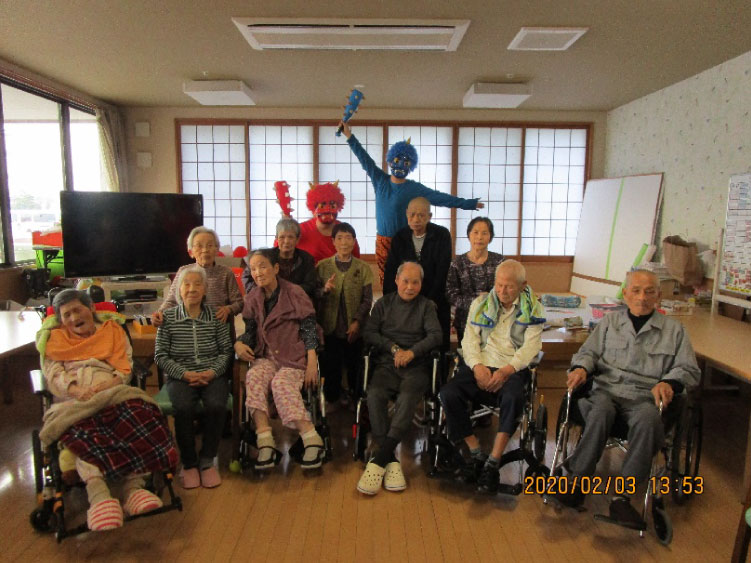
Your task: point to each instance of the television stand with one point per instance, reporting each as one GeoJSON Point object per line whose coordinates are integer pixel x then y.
{"type": "Point", "coordinates": [136, 288]}
{"type": "Point", "coordinates": [137, 278]}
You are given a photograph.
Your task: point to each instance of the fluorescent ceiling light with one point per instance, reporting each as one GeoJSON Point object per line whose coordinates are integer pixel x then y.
{"type": "Point", "coordinates": [546, 38]}
{"type": "Point", "coordinates": [219, 92]}
{"type": "Point", "coordinates": [497, 96]}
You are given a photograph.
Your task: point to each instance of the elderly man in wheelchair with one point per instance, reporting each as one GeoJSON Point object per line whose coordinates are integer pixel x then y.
{"type": "Point", "coordinates": [638, 361]}
{"type": "Point", "coordinates": [402, 330]}
{"type": "Point", "coordinates": [503, 336]}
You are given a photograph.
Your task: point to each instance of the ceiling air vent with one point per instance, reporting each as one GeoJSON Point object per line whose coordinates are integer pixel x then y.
{"type": "Point", "coordinates": [350, 34]}
{"type": "Point", "coordinates": [546, 38]}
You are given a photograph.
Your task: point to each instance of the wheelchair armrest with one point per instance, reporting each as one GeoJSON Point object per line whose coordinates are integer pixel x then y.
{"type": "Point", "coordinates": [38, 383]}
{"type": "Point", "coordinates": [536, 360]}
{"type": "Point", "coordinates": [140, 373]}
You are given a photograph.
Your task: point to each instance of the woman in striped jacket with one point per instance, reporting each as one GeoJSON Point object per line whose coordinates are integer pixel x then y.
{"type": "Point", "coordinates": [194, 349]}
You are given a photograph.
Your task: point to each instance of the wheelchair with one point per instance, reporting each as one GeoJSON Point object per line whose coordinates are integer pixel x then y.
{"type": "Point", "coordinates": [361, 425]}
{"type": "Point", "coordinates": [245, 440]}
{"type": "Point", "coordinates": [447, 461]}
{"type": "Point", "coordinates": [678, 474]}
{"type": "Point", "coordinates": [50, 486]}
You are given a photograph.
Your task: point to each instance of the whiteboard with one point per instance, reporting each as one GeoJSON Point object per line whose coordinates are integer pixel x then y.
{"type": "Point", "coordinates": [735, 268]}
{"type": "Point", "coordinates": [618, 216]}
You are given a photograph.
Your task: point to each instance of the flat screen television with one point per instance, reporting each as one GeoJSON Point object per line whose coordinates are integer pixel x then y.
{"type": "Point", "coordinates": [126, 234]}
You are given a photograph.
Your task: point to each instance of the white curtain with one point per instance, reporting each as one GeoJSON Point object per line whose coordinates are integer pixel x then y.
{"type": "Point", "coordinates": [112, 144]}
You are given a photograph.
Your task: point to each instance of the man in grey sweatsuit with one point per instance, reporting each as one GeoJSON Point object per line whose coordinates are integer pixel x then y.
{"type": "Point", "coordinates": [403, 328]}
{"type": "Point", "coordinates": [637, 359]}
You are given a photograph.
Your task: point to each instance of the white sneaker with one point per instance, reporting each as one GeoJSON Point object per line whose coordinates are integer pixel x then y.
{"type": "Point", "coordinates": [393, 479]}
{"type": "Point", "coordinates": [371, 479]}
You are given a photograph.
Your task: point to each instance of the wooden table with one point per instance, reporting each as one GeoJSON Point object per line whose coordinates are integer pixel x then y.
{"type": "Point", "coordinates": [720, 342]}
{"type": "Point", "coordinates": [18, 335]}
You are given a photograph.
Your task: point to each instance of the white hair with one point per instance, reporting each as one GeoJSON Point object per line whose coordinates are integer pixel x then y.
{"type": "Point", "coordinates": [200, 231]}
{"type": "Point", "coordinates": [401, 267]}
{"type": "Point", "coordinates": [519, 271]}
{"type": "Point", "coordinates": [652, 275]}
{"type": "Point", "coordinates": [192, 269]}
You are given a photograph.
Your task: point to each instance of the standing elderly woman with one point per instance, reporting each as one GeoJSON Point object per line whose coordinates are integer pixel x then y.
{"type": "Point", "coordinates": [295, 265]}
{"type": "Point", "coordinates": [194, 348]}
{"type": "Point", "coordinates": [472, 273]}
{"type": "Point", "coordinates": [222, 292]}
{"type": "Point", "coordinates": [280, 342]}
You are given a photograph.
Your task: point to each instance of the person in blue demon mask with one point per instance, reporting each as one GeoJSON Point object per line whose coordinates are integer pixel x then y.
{"type": "Point", "coordinates": [394, 191]}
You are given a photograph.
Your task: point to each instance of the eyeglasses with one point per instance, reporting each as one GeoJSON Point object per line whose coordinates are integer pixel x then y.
{"type": "Point", "coordinates": [210, 246]}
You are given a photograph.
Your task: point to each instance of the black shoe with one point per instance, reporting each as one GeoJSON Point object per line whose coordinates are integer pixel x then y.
{"type": "Point", "coordinates": [489, 480]}
{"type": "Point", "coordinates": [470, 472]}
{"type": "Point", "coordinates": [573, 499]}
{"type": "Point", "coordinates": [623, 514]}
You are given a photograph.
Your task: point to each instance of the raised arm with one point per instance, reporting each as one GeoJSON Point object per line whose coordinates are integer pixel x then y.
{"type": "Point", "coordinates": [366, 161]}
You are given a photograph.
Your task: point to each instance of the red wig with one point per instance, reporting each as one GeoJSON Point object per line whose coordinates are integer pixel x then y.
{"type": "Point", "coordinates": [324, 193]}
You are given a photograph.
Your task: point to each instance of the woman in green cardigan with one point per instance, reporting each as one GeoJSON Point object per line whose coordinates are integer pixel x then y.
{"type": "Point", "coordinates": [343, 309]}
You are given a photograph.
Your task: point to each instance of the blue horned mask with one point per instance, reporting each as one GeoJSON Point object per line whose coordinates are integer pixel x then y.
{"type": "Point", "coordinates": [402, 158]}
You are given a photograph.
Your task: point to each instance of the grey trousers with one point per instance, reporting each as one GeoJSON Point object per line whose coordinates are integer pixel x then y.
{"type": "Point", "coordinates": [405, 386]}
{"type": "Point", "coordinates": [645, 434]}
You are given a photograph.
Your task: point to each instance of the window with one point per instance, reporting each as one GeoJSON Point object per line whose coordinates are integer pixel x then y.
{"type": "Point", "coordinates": [85, 152]}
{"type": "Point", "coordinates": [489, 167]}
{"type": "Point", "coordinates": [336, 162]}
{"type": "Point", "coordinates": [213, 165]}
{"type": "Point", "coordinates": [277, 153]}
{"type": "Point", "coordinates": [433, 145]}
{"type": "Point", "coordinates": [531, 179]}
{"type": "Point", "coordinates": [36, 131]}
{"type": "Point", "coordinates": [554, 161]}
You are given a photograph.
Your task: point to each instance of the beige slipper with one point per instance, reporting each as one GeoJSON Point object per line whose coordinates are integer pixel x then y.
{"type": "Point", "coordinates": [393, 479]}
{"type": "Point", "coordinates": [371, 479]}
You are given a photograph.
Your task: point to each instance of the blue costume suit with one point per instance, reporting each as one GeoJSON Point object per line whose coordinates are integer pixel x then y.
{"type": "Point", "coordinates": [392, 199]}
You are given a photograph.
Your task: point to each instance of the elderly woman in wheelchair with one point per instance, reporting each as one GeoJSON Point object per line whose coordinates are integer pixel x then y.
{"type": "Point", "coordinates": [502, 338]}
{"type": "Point", "coordinates": [637, 362]}
{"type": "Point", "coordinates": [279, 342]}
{"type": "Point", "coordinates": [109, 429]}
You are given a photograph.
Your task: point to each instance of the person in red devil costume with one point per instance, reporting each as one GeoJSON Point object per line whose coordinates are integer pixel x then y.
{"type": "Point", "coordinates": [325, 201]}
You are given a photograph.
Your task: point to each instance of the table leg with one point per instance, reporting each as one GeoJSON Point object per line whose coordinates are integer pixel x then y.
{"type": "Point", "coordinates": [6, 375]}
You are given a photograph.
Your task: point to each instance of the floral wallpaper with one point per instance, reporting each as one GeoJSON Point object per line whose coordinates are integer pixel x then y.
{"type": "Point", "coordinates": [698, 132]}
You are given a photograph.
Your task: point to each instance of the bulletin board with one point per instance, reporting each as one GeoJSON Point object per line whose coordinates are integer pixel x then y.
{"type": "Point", "coordinates": [618, 216]}
{"type": "Point", "coordinates": [735, 267]}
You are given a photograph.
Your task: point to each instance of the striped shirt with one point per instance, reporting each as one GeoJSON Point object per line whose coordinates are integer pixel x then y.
{"type": "Point", "coordinates": [187, 344]}
{"type": "Point", "coordinates": [221, 289]}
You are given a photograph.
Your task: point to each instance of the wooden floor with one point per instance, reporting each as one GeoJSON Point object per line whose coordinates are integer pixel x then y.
{"type": "Point", "coordinates": [288, 516]}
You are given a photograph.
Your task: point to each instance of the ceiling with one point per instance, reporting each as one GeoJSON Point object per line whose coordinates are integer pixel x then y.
{"type": "Point", "coordinates": [139, 52]}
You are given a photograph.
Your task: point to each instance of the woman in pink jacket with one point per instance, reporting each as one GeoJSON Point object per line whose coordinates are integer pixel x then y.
{"type": "Point", "coordinates": [279, 342]}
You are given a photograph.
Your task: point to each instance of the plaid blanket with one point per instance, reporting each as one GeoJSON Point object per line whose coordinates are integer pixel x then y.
{"type": "Point", "coordinates": [129, 437]}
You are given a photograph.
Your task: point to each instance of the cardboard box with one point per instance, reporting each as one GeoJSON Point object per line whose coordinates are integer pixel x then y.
{"type": "Point", "coordinates": [144, 329]}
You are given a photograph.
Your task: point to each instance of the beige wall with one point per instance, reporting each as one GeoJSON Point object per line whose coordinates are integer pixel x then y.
{"type": "Point", "coordinates": [162, 176]}
{"type": "Point", "coordinates": [697, 132]}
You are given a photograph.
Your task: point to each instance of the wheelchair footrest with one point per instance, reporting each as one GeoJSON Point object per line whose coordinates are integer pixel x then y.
{"type": "Point", "coordinates": [639, 527]}
{"type": "Point", "coordinates": [513, 490]}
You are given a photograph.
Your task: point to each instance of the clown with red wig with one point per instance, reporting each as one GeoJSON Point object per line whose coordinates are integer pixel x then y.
{"type": "Point", "coordinates": [325, 201]}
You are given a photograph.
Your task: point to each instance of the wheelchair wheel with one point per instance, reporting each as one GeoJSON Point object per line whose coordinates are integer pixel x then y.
{"type": "Point", "coordinates": [540, 437]}
{"type": "Point", "coordinates": [42, 520]}
{"type": "Point", "coordinates": [38, 457]}
{"type": "Point", "coordinates": [662, 522]}
{"type": "Point", "coordinates": [686, 452]}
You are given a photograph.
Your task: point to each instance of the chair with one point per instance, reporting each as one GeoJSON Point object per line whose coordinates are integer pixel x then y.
{"type": "Point", "coordinates": [315, 403]}
{"type": "Point", "coordinates": [361, 426]}
{"type": "Point", "coordinates": [49, 515]}
{"type": "Point", "coordinates": [533, 427]}
{"type": "Point", "coordinates": [681, 452]}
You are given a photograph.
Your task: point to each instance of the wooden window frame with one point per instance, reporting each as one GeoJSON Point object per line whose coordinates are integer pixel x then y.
{"type": "Point", "coordinates": [385, 124]}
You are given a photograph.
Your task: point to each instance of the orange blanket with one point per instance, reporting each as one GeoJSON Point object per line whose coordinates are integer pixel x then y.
{"type": "Point", "coordinates": [107, 345]}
